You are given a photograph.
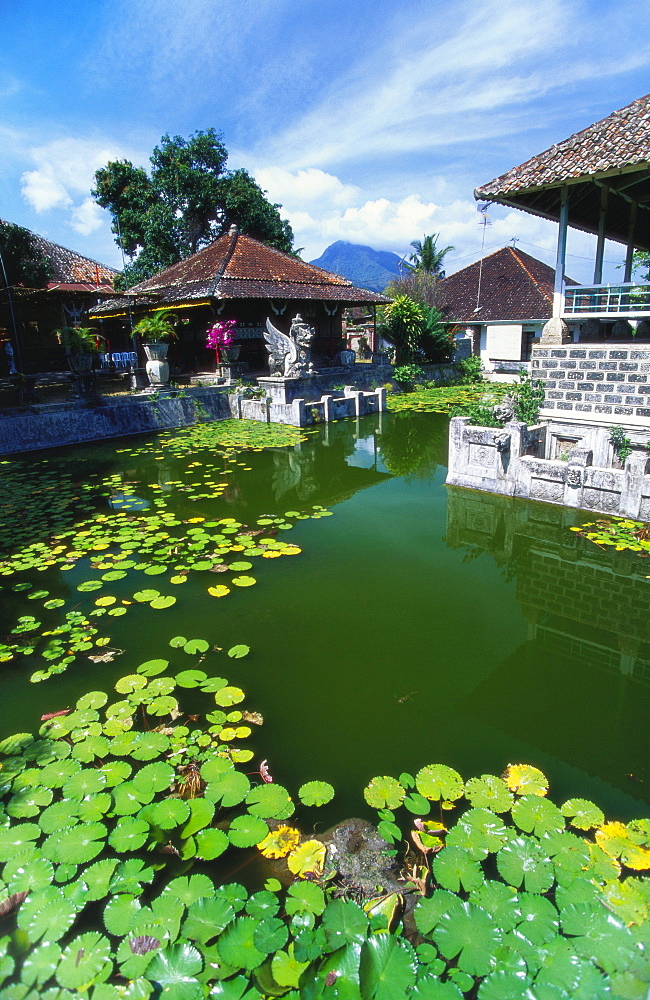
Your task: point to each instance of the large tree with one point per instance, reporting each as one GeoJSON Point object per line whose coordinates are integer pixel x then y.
{"type": "Point", "coordinates": [188, 200]}
{"type": "Point", "coordinates": [428, 256]}
{"type": "Point", "coordinates": [24, 262]}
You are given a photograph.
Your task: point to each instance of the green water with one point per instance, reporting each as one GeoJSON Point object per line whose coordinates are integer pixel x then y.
{"type": "Point", "coordinates": [420, 623]}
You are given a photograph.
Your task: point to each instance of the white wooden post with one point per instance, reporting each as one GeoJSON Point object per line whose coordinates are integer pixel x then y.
{"type": "Point", "coordinates": [600, 244]}
{"type": "Point", "coordinates": [630, 243]}
{"type": "Point", "coordinates": [560, 260]}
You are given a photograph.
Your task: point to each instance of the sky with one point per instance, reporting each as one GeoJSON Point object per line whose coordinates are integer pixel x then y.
{"type": "Point", "coordinates": [367, 120]}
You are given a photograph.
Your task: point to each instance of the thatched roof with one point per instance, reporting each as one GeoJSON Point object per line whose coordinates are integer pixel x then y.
{"type": "Point", "coordinates": [237, 267]}
{"type": "Point", "coordinates": [70, 272]}
{"type": "Point", "coordinates": [612, 153]}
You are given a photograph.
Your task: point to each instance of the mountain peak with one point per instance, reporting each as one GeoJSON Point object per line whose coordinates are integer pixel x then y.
{"type": "Point", "coordinates": [362, 265]}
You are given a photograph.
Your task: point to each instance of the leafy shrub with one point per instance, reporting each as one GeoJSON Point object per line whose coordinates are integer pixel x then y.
{"type": "Point", "coordinates": [481, 413]}
{"type": "Point", "coordinates": [471, 369]}
{"type": "Point", "coordinates": [528, 397]}
{"type": "Point", "coordinates": [414, 328]}
{"type": "Point", "coordinates": [621, 443]}
{"type": "Point", "coordinates": [408, 375]}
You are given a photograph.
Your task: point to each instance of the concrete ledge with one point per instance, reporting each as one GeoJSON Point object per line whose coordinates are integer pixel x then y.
{"type": "Point", "coordinates": [38, 427]}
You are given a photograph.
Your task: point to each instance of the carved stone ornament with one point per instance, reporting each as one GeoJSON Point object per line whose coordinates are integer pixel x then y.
{"type": "Point", "coordinates": [592, 330]}
{"type": "Point", "coordinates": [574, 476]}
{"type": "Point", "coordinates": [505, 410]}
{"type": "Point", "coordinates": [555, 332]}
{"type": "Point", "coordinates": [290, 356]}
{"type": "Point", "coordinates": [502, 441]}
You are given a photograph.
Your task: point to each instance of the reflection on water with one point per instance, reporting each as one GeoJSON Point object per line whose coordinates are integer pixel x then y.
{"type": "Point", "coordinates": [421, 623]}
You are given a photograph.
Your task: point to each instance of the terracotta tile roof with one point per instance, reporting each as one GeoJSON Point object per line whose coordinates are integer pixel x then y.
{"type": "Point", "coordinates": [614, 151]}
{"type": "Point", "coordinates": [72, 272]}
{"type": "Point", "coordinates": [238, 267]}
{"type": "Point", "coordinates": [514, 286]}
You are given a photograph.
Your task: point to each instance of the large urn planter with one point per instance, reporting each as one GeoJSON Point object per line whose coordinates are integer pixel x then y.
{"type": "Point", "coordinates": [229, 354]}
{"type": "Point", "coordinates": [157, 367]}
{"type": "Point", "coordinates": [82, 366]}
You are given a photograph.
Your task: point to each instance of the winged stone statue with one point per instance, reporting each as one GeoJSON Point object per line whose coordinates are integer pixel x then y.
{"type": "Point", "coordinates": [289, 355]}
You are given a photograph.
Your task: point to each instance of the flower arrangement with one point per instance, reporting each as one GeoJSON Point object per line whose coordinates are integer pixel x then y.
{"type": "Point", "coordinates": [220, 335]}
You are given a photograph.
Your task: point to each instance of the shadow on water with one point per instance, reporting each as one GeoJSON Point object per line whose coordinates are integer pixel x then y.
{"type": "Point", "coordinates": [421, 623]}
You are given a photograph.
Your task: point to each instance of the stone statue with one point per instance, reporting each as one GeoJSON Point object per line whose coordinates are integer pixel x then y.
{"type": "Point", "coordinates": [290, 356]}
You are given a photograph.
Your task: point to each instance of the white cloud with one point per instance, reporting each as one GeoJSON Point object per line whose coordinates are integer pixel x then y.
{"type": "Point", "coordinates": [43, 190]}
{"type": "Point", "coordinates": [87, 217]}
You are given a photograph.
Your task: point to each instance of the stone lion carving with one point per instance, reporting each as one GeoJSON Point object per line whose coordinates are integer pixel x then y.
{"type": "Point", "coordinates": [290, 356]}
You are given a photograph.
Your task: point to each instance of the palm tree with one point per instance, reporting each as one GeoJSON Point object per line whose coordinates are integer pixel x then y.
{"type": "Point", "coordinates": [428, 256]}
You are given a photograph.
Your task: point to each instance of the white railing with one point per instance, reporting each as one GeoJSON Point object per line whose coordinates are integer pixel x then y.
{"type": "Point", "coordinates": [628, 299]}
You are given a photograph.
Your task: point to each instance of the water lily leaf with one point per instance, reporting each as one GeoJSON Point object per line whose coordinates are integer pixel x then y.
{"type": "Point", "coordinates": [286, 969]}
{"type": "Point", "coordinates": [85, 782]}
{"type": "Point", "coordinates": [538, 920]}
{"type": "Point", "coordinates": [625, 899]}
{"type": "Point", "coordinates": [243, 581]}
{"type": "Point", "coordinates": [432, 988]}
{"type": "Point", "coordinates": [499, 900]}
{"type": "Point", "coordinates": [524, 779]}
{"type": "Point", "coordinates": [153, 667]}
{"type": "Point", "coordinates": [235, 989]}
{"type": "Point", "coordinates": [219, 591]}
{"type": "Point", "coordinates": [315, 793]}
{"type": "Point", "coordinates": [175, 969]}
{"type": "Point", "coordinates": [270, 801]}
{"type": "Point", "coordinates": [479, 831]}
{"type": "Point", "coordinates": [97, 878]}
{"type": "Point", "coordinates": [39, 964]}
{"type": "Point", "coordinates": [416, 803]}
{"type": "Point", "coordinates": [489, 792]}
{"type": "Point", "coordinates": [201, 813]}
{"type": "Point", "coordinates": [163, 705]}
{"type": "Point", "coordinates": [77, 845]}
{"type": "Point", "coordinates": [537, 815]}
{"type": "Point", "coordinates": [305, 897]}
{"type": "Point", "coordinates": [246, 830]}
{"type": "Point", "coordinates": [344, 923]}
{"type": "Point", "coordinates": [162, 602]}
{"type": "Point", "coordinates": [568, 852]}
{"type": "Point", "coordinates": [130, 875]}
{"type": "Point", "coordinates": [206, 918]}
{"type": "Point", "coordinates": [307, 859]}
{"type": "Point", "coordinates": [384, 792]}
{"type": "Point", "coordinates": [89, 585]}
{"type": "Point", "coordinates": [210, 686]}
{"type": "Point", "coordinates": [145, 596]}
{"type": "Point", "coordinates": [131, 682]}
{"type": "Point", "coordinates": [120, 913]}
{"type": "Point", "coordinates": [454, 867]}
{"type": "Point", "coordinates": [523, 862]}
{"type": "Point", "coordinates": [471, 936]}
{"type": "Point", "coordinates": [193, 646]}
{"type": "Point", "coordinates": [211, 843]}
{"type": "Point", "coordinates": [46, 912]}
{"type": "Point", "coordinates": [191, 678]}
{"type": "Point", "coordinates": [170, 813]}
{"type": "Point", "coordinates": [236, 652]}
{"type": "Point", "coordinates": [129, 835]}
{"type": "Point", "coordinates": [237, 944]}
{"type": "Point", "coordinates": [28, 802]}
{"type": "Point", "coordinates": [437, 781]}
{"type": "Point", "coordinates": [229, 695]}
{"type": "Point", "coordinates": [388, 966]}
{"type": "Point", "coordinates": [271, 935]}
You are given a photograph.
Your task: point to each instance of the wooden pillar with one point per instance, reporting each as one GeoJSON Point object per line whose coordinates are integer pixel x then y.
{"type": "Point", "coordinates": [630, 243]}
{"type": "Point", "coordinates": [560, 260]}
{"type": "Point", "coordinates": [600, 244]}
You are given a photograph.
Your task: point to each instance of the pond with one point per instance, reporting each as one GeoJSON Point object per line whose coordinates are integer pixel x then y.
{"type": "Point", "coordinates": [417, 624]}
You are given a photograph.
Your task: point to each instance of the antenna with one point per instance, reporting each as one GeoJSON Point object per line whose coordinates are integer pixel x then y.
{"type": "Point", "coordinates": [482, 207]}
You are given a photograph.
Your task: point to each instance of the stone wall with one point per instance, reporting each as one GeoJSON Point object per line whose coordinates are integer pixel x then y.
{"type": "Point", "coordinates": [511, 461]}
{"type": "Point", "coordinates": [298, 412]}
{"type": "Point", "coordinates": [603, 382]}
{"type": "Point", "coordinates": [53, 425]}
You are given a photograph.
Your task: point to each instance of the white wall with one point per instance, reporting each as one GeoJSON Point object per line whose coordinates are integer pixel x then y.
{"type": "Point", "coordinates": [503, 341]}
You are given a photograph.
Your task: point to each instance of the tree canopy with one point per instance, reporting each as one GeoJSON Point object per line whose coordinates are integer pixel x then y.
{"type": "Point", "coordinates": [428, 256]}
{"type": "Point", "coordinates": [24, 261]}
{"type": "Point", "coordinates": [187, 201]}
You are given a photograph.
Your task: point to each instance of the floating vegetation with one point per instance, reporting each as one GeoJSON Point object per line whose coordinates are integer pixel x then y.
{"type": "Point", "coordinates": [124, 822]}
{"type": "Point", "coordinates": [443, 399]}
{"type": "Point", "coordinates": [620, 533]}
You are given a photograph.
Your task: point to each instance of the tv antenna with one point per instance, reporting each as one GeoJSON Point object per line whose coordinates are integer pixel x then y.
{"type": "Point", "coordinates": [482, 208]}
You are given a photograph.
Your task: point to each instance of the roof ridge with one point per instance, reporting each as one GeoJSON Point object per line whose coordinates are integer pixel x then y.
{"type": "Point", "coordinates": [532, 277]}
{"type": "Point", "coordinates": [60, 246]}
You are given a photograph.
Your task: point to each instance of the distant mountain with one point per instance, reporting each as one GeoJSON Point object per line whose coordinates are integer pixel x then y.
{"type": "Point", "coordinates": [363, 266]}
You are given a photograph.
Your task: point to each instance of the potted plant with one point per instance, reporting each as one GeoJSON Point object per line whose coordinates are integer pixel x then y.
{"type": "Point", "coordinates": [155, 331]}
{"type": "Point", "coordinates": [219, 339]}
{"type": "Point", "coordinates": [82, 346]}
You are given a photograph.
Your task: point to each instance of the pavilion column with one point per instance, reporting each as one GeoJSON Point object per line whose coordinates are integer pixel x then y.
{"type": "Point", "coordinates": [630, 243]}
{"type": "Point", "coordinates": [555, 330]}
{"type": "Point", "coordinates": [600, 245]}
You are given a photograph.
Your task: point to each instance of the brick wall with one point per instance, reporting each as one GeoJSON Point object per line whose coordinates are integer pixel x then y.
{"type": "Point", "coordinates": [599, 380]}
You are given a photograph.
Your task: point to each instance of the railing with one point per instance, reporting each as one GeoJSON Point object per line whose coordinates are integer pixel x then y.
{"type": "Point", "coordinates": [629, 299]}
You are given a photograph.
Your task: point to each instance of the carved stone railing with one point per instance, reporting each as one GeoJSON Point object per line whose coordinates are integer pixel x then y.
{"type": "Point", "coordinates": [625, 300]}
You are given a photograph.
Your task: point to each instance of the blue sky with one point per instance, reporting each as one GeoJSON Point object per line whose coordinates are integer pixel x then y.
{"type": "Point", "coordinates": [369, 121]}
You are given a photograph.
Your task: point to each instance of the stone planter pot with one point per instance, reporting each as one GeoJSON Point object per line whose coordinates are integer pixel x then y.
{"type": "Point", "coordinates": [157, 367]}
{"type": "Point", "coordinates": [81, 364]}
{"type": "Point", "coordinates": [229, 354]}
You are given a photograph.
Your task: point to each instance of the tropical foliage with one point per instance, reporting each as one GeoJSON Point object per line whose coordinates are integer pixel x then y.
{"type": "Point", "coordinates": [79, 339]}
{"type": "Point", "coordinates": [427, 256]}
{"type": "Point", "coordinates": [24, 261]}
{"type": "Point", "coordinates": [622, 533]}
{"type": "Point", "coordinates": [189, 199]}
{"type": "Point", "coordinates": [415, 330]}
{"type": "Point", "coordinates": [155, 327]}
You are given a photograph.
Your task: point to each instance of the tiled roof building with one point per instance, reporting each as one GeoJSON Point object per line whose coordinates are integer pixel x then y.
{"type": "Point", "coordinates": [238, 267]}
{"type": "Point", "coordinates": [613, 153]}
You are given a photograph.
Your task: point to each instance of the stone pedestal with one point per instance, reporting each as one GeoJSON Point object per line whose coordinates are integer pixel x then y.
{"type": "Point", "coordinates": [555, 332]}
